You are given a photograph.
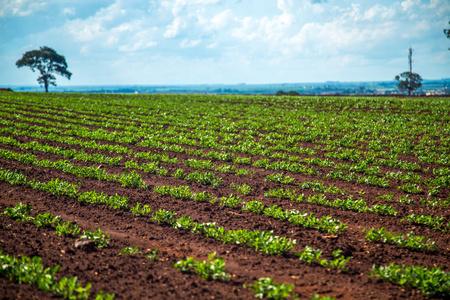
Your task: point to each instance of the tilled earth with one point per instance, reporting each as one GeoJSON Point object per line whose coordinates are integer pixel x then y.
{"type": "Point", "coordinates": [137, 277]}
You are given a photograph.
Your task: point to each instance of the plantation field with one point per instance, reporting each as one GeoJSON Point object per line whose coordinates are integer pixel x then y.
{"type": "Point", "coordinates": [224, 197]}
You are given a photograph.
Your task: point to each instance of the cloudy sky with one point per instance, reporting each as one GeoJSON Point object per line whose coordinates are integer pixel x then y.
{"type": "Point", "coordinates": [226, 41]}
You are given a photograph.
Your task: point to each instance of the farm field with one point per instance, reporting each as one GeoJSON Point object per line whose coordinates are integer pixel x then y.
{"type": "Point", "coordinates": [224, 197]}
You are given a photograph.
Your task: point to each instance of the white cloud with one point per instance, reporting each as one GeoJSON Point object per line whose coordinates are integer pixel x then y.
{"type": "Point", "coordinates": [174, 29]}
{"type": "Point", "coordinates": [408, 4]}
{"type": "Point", "coordinates": [185, 43]}
{"type": "Point", "coordinates": [69, 11]}
{"type": "Point", "coordinates": [20, 8]}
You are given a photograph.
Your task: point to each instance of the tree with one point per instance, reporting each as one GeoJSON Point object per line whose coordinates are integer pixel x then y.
{"type": "Point", "coordinates": [409, 81]}
{"type": "Point", "coordinates": [447, 33]}
{"type": "Point", "coordinates": [47, 61]}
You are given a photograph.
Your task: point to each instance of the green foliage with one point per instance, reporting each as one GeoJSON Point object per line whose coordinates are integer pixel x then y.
{"type": "Point", "coordinates": [199, 164]}
{"type": "Point", "coordinates": [253, 206]}
{"type": "Point", "coordinates": [56, 187]}
{"type": "Point", "coordinates": [12, 177]}
{"type": "Point", "coordinates": [206, 178]}
{"type": "Point", "coordinates": [410, 188]}
{"type": "Point", "coordinates": [282, 193]}
{"type": "Point", "coordinates": [31, 271]}
{"type": "Point", "coordinates": [243, 189]}
{"type": "Point", "coordinates": [410, 240]}
{"type": "Point", "coordinates": [231, 201]}
{"type": "Point", "coordinates": [132, 180]}
{"type": "Point", "coordinates": [161, 172]}
{"type": "Point", "coordinates": [20, 212]}
{"type": "Point", "coordinates": [266, 288]}
{"type": "Point", "coordinates": [68, 229]}
{"type": "Point", "coordinates": [179, 173]}
{"type": "Point", "coordinates": [203, 196]}
{"type": "Point", "coordinates": [244, 172]}
{"type": "Point", "coordinates": [317, 297]}
{"type": "Point", "coordinates": [313, 256]}
{"type": "Point", "coordinates": [432, 282]}
{"type": "Point", "coordinates": [226, 168]}
{"type": "Point", "coordinates": [138, 211]}
{"type": "Point", "coordinates": [115, 202]}
{"type": "Point", "coordinates": [100, 238]}
{"type": "Point", "coordinates": [242, 160]}
{"type": "Point", "coordinates": [47, 220]}
{"type": "Point", "coordinates": [48, 62]}
{"type": "Point", "coordinates": [153, 255]}
{"type": "Point", "coordinates": [130, 251]}
{"type": "Point", "coordinates": [280, 178]}
{"type": "Point", "coordinates": [214, 269]}
{"type": "Point", "coordinates": [164, 216]}
{"type": "Point", "coordinates": [428, 220]}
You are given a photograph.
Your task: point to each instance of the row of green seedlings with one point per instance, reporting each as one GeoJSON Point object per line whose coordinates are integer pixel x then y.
{"type": "Point", "coordinates": [31, 271]}
{"type": "Point", "coordinates": [119, 149]}
{"type": "Point", "coordinates": [153, 167]}
{"type": "Point", "coordinates": [238, 160]}
{"type": "Point", "coordinates": [59, 187]}
{"type": "Point", "coordinates": [21, 212]}
{"type": "Point", "coordinates": [435, 185]}
{"type": "Point", "coordinates": [314, 185]}
{"type": "Point", "coordinates": [435, 222]}
{"type": "Point", "coordinates": [37, 134]}
{"type": "Point", "coordinates": [214, 269]}
{"type": "Point", "coordinates": [262, 241]}
{"type": "Point", "coordinates": [410, 240]}
{"type": "Point", "coordinates": [432, 282]}
{"type": "Point", "coordinates": [126, 179]}
{"type": "Point", "coordinates": [231, 155]}
{"type": "Point", "coordinates": [325, 224]}
{"type": "Point", "coordinates": [344, 204]}
{"type": "Point", "coordinates": [409, 187]}
{"type": "Point", "coordinates": [135, 180]}
{"type": "Point", "coordinates": [69, 153]}
{"type": "Point", "coordinates": [80, 155]}
{"type": "Point", "coordinates": [406, 200]}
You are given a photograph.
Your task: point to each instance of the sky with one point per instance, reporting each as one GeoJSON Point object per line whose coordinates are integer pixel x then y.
{"type": "Point", "coordinates": [149, 42]}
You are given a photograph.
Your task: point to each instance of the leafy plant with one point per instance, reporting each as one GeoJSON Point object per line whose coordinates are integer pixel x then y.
{"type": "Point", "coordinates": [428, 220]}
{"type": "Point", "coordinates": [280, 178]}
{"type": "Point", "coordinates": [20, 212]}
{"type": "Point", "coordinates": [243, 189]}
{"type": "Point", "coordinates": [100, 238]}
{"type": "Point", "coordinates": [140, 211]}
{"type": "Point", "coordinates": [432, 282]}
{"type": "Point", "coordinates": [47, 220]}
{"type": "Point", "coordinates": [253, 206]}
{"type": "Point", "coordinates": [231, 201]}
{"type": "Point", "coordinates": [214, 269]}
{"type": "Point", "coordinates": [131, 251]}
{"type": "Point", "coordinates": [153, 255]}
{"type": "Point", "coordinates": [399, 239]}
{"type": "Point", "coordinates": [164, 216]}
{"type": "Point", "coordinates": [266, 288]}
{"type": "Point", "coordinates": [313, 256]}
{"type": "Point", "coordinates": [68, 229]}
{"type": "Point", "coordinates": [161, 171]}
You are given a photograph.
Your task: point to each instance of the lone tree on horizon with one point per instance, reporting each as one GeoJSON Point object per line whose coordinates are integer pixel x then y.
{"type": "Point", "coordinates": [409, 81]}
{"type": "Point", "coordinates": [47, 61]}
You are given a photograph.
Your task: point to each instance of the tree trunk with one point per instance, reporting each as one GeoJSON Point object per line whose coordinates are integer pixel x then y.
{"type": "Point", "coordinates": [46, 84]}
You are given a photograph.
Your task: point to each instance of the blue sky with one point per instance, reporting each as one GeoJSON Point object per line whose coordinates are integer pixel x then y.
{"type": "Point", "coordinates": [226, 41]}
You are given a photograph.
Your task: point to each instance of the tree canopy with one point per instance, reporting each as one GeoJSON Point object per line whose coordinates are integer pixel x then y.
{"type": "Point", "coordinates": [48, 62]}
{"type": "Point", "coordinates": [409, 81]}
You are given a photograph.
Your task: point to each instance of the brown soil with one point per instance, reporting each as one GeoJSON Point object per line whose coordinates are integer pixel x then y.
{"type": "Point", "coordinates": [140, 278]}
